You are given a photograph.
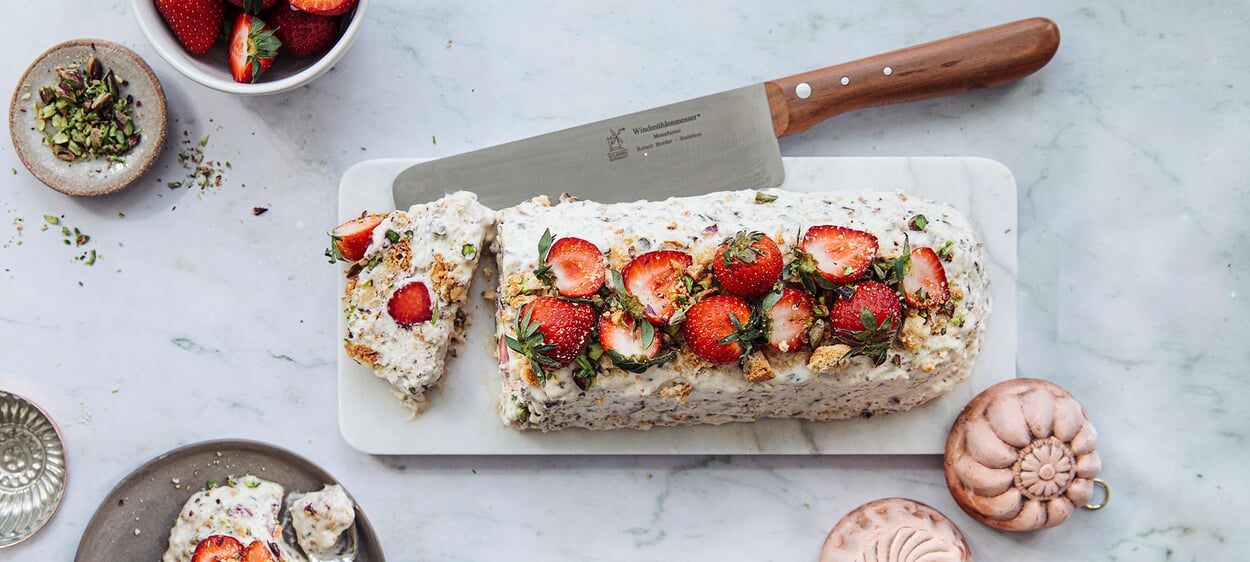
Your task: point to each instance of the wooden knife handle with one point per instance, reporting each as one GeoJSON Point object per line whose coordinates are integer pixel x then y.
{"type": "Point", "coordinates": [963, 63]}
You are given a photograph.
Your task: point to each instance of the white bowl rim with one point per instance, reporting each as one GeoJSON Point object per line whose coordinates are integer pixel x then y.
{"type": "Point", "coordinates": [305, 76]}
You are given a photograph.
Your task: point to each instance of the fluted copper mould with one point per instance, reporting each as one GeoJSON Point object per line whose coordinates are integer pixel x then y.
{"type": "Point", "coordinates": [1022, 455]}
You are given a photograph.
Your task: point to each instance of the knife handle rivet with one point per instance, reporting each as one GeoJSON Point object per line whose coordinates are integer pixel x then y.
{"type": "Point", "coordinates": [887, 71]}
{"type": "Point", "coordinates": [846, 80]}
{"type": "Point", "coordinates": [803, 90]}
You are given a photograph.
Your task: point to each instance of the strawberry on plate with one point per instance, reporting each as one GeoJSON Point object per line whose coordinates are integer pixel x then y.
{"type": "Point", "coordinates": [258, 551]}
{"type": "Point", "coordinates": [411, 305]}
{"type": "Point", "coordinates": [720, 329]}
{"type": "Point", "coordinates": [791, 320]}
{"type": "Point", "coordinates": [574, 266]}
{"type": "Point", "coordinates": [324, 7]}
{"type": "Point", "coordinates": [747, 264]}
{"type": "Point", "coordinates": [655, 279]}
{"type": "Point", "coordinates": [303, 34]}
{"type": "Point", "coordinates": [348, 241]}
{"type": "Point", "coordinates": [218, 548]}
{"type": "Point", "coordinates": [837, 254]}
{"type": "Point", "coordinates": [196, 23]}
{"type": "Point", "coordinates": [924, 284]}
{"type": "Point", "coordinates": [252, 48]}
{"type": "Point", "coordinates": [632, 345]}
{"type": "Point", "coordinates": [868, 320]}
{"type": "Point", "coordinates": [551, 332]}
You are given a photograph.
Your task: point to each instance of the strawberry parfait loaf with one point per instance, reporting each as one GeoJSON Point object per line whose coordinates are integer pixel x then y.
{"type": "Point", "coordinates": [407, 280]}
{"type": "Point", "coordinates": [733, 306]}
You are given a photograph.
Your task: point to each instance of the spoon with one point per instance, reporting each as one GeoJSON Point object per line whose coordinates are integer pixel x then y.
{"type": "Point", "coordinates": [344, 550]}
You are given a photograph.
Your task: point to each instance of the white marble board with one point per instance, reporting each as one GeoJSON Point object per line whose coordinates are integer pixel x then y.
{"type": "Point", "coordinates": [462, 418]}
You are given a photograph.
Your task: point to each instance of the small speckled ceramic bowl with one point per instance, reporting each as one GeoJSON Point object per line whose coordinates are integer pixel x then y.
{"type": "Point", "coordinates": [98, 176]}
{"type": "Point", "coordinates": [32, 468]}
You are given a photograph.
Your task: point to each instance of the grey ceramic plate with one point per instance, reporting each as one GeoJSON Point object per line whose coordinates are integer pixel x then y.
{"type": "Point", "coordinates": [133, 522]}
{"type": "Point", "coordinates": [32, 468]}
{"type": "Point", "coordinates": [89, 177]}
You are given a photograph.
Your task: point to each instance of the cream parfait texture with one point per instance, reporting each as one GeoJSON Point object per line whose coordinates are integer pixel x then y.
{"type": "Point", "coordinates": [246, 509]}
{"type": "Point", "coordinates": [320, 518]}
{"type": "Point", "coordinates": [438, 244]}
{"type": "Point", "coordinates": [934, 352]}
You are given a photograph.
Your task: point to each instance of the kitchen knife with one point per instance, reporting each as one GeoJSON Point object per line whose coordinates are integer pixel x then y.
{"type": "Point", "coordinates": [727, 140]}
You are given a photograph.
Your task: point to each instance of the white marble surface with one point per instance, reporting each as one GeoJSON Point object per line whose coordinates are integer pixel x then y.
{"type": "Point", "coordinates": [202, 321]}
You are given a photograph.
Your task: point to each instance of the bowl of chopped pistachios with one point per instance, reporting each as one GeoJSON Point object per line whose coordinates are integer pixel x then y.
{"type": "Point", "coordinates": [88, 117]}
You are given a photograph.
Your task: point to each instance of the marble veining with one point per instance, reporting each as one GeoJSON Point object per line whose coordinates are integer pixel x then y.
{"type": "Point", "coordinates": [201, 319]}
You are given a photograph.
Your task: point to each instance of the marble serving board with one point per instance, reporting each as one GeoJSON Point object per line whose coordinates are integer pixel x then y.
{"type": "Point", "coordinates": [462, 418]}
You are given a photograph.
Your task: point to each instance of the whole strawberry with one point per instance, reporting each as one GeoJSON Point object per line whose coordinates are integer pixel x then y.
{"type": "Point", "coordinates": [196, 23]}
{"type": "Point", "coordinates": [868, 320]}
{"type": "Point", "coordinates": [552, 332]}
{"type": "Point", "coordinates": [720, 329]}
{"type": "Point", "coordinates": [747, 264]}
{"type": "Point", "coordinates": [303, 34]}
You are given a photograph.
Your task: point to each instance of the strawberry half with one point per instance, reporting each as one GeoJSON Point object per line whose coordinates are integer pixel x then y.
{"type": "Point", "coordinates": [631, 345]}
{"type": "Point", "coordinates": [258, 551]}
{"type": "Point", "coordinates": [324, 7]}
{"type": "Point", "coordinates": [840, 254]}
{"type": "Point", "coordinates": [720, 329]}
{"type": "Point", "coordinates": [411, 305]}
{"type": "Point", "coordinates": [747, 264]}
{"type": "Point", "coordinates": [575, 266]}
{"type": "Point", "coordinates": [791, 319]}
{"type": "Point", "coordinates": [303, 34]}
{"type": "Point", "coordinates": [252, 49]}
{"type": "Point", "coordinates": [552, 332]}
{"type": "Point", "coordinates": [655, 279]}
{"type": "Point", "coordinates": [196, 23]}
{"type": "Point", "coordinates": [218, 548]}
{"type": "Point", "coordinates": [924, 285]}
{"type": "Point", "coordinates": [868, 320]}
{"type": "Point", "coordinates": [350, 240]}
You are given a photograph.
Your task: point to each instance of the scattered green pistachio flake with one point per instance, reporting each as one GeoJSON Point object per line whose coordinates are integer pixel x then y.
{"type": "Point", "coordinates": [761, 197]}
{"type": "Point", "coordinates": [211, 484]}
{"type": "Point", "coordinates": [392, 236]}
{"type": "Point", "coordinates": [918, 222]}
{"type": "Point", "coordinates": [204, 141]}
{"type": "Point", "coordinates": [946, 250]}
{"type": "Point", "coordinates": [90, 258]}
{"type": "Point", "coordinates": [412, 390]}
{"type": "Point", "coordinates": [467, 250]}
{"type": "Point", "coordinates": [14, 171]}
{"type": "Point", "coordinates": [230, 482]}
{"type": "Point", "coordinates": [958, 320]}
{"type": "Point", "coordinates": [121, 215]}
{"type": "Point", "coordinates": [434, 139]}
{"type": "Point", "coordinates": [253, 483]}
{"type": "Point", "coordinates": [52, 219]}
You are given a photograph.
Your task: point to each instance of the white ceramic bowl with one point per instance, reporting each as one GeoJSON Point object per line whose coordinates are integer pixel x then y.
{"type": "Point", "coordinates": [212, 69]}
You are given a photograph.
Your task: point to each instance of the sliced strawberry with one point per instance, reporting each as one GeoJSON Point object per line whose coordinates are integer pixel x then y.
{"type": "Point", "coordinates": [303, 34]}
{"type": "Point", "coordinates": [552, 332]}
{"type": "Point", "coordinates": [252, 49]}
{"type": "Point", "coordinates": [924, 285]}
{"type": "Point", "coordinates": [411, 305]}
{"type": "Point", "coordinates": [790, 319]}
{"type": "Point", "coordinates": [655, 279]}
{"type": "Point", "coordinates": [258, 551]}
{"type": "Point", "coordinates": [625, 338]}
{"type": "Point", "coordinates": [196, 23]}
{"type": "Point", "coordinates": [350, 240]}
{"type": "Point", "coordinates": [868, 320]}
{"type": "Point", "coordinates": [747, 264]}
{"type": "Point", "coordinates": [720, 329]}
{"type": "Point", "coordinates": [218, 548]}
{"type": "Point", "coordinates": [841, 254]}
{"type": "Point", "coordinates": [577, 267]}
{"type": "Point", "coordinates": [324, 7]}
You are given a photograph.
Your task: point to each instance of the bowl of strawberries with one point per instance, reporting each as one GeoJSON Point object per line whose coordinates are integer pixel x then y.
{"type": "Point", "coordinates": [251, 46]}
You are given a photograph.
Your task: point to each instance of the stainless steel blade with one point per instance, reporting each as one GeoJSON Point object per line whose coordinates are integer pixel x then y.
{"type": "Point", "coordinates": [716, 142]}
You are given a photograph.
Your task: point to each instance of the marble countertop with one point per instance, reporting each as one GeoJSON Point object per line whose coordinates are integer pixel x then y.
{"type": "Point", "coordinates": [202, 320]}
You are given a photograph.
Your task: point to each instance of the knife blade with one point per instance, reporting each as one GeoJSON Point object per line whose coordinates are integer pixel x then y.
{"type": "Point", "coordinates": [727, 140]}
